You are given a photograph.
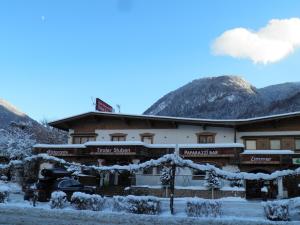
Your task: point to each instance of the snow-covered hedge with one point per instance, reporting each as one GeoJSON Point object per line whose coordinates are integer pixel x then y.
{"type": "Point", "coordinates": [137, 204]}
{"type": "Point", "coordinates": [58, 200]}
{"type": "Point", "coordinates": [197, 207]}
{"type": "Point", "coordinates": [4, 193]}
{"type": "Point", "coordinates": [276, 210]}
{"type": "Point", "coordinates": [84, 201]}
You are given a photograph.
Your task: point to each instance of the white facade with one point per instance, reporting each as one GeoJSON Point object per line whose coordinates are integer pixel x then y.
{"type": "Point", "coordinates": [184, 134]}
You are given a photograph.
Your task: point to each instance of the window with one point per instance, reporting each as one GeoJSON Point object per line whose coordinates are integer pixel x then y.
{"type": "Point", "coordinates": [81, 139]}
{"type": "Point", "coordinates": [206, 137]}
{"type": "Point", "coordinates": [275, 144]}
{"type": "Point", "coordinates": [148, 171]}
{"type": "Point", "coordinates": [199, 175]}
{"type": "Point", "coordinates": [147, 138]}
{"type": "Point", "coordinates": [297, 143]}
{"type": "Point", "coordinates": [118, 137]}
{"type": "Point", "coordinates": [251, 144]}
{"type": "Point", "coordinates": [68, 183]}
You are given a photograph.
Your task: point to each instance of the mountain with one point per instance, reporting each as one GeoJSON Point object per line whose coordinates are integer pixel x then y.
{"type": "Point", "coordinates": [10, 113]}
{"type": "Point", "coordinates": [18, 132]}
{"type": "Point", "coordinates": [227, 97]}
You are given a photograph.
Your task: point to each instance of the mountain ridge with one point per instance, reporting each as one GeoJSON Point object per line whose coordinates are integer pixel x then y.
{"type": "Point", "coordinates": [227, 97]}
{"type": "Point", "coordinates": [19, 132]}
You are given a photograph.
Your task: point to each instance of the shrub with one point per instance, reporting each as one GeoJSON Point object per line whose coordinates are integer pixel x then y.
{"type": "Point", "coordinates": [137, 204]}
{"type": "Point", "coordinates": [166, 176]}
{"type": "Point", "coordinates": [198, 207]}
{"type": "Point", "coordinates": [3, 178]}
{"type": "Point", "coordinates": [212, 180]}
{"type": "Point", "coordinates": [276, 210]}
{"type": "Point", "coordinates": [58, 200]}
{"type": "Point", "coordinates": [84, 201]}
{"type": "Point", "coordinates": [4, 193]}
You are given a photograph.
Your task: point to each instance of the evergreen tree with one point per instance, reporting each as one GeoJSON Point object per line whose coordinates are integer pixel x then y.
{"type": "Point", "coordinates": [166, 176]}
{"type": "Point", "coordinates": [212, 181]}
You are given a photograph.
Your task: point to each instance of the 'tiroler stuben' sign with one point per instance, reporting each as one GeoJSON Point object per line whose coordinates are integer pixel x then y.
{"type": "Point", "coordinates": [113, 151]}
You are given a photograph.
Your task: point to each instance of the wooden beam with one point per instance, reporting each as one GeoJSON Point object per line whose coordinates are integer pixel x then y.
{"type": "Point", "coordinates": [126, 121]}
{"type": "Point", "coordinates": [150, 123]}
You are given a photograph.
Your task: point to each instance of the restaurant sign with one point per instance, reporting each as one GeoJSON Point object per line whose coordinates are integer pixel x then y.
{"type": "Point", "coordinates": [58, 153]}
{"type": "Point", "coordinates": [190, 153]}
{"type": "Point", "coordinates": [113, 151]}
{"type": "Point", "coordinates": [260, 159]}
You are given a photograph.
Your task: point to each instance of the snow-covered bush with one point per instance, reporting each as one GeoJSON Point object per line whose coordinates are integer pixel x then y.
{"type": "Point", "coordinates": [236, 183]}
{"type": "Point", "coordinates": [197, 207]}
{"type": "Point", "coordinates": [264, 189]}
{"type": "Point", "coordinates": [84, 201]}
{"type": "Point", "coordinates": [58, 200]}
{"type": "Point", "coordinates": [166, 176]}
{"type": "Point", "coordinates": [276, 210]}
{"type": "Point", "coordinates": [3, 178]}
{"type": "Point", "coordinates": [212, 181]}
{"type": "Point", "coordinates": [4, 193]}
{"type": "Point", "coordinates": [137, 204]}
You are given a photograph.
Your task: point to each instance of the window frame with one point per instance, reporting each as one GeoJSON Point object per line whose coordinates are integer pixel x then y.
{"type": "Point", "coordinates": [297, 139]}
{"type": "Point", "coordinates": [206, 135]}
{"type": "Point", "coordinates": [280, 143]}
{"type": "Point", "coordinates": [118, 136]}
{"type": "Point", "coordinates": [81, 136]}
{"type": "Point", "coordinates": [255, 140]}
{"type": "Point", "coordinates": [147, 135]}
{"type": "Point", "coordinates": [200, 176]}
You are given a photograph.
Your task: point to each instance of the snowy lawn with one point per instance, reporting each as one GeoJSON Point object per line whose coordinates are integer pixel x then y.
{"type": "Point", "coordinates": [21, 214]}
{"type": "Point", "coordinates": [234, 211]}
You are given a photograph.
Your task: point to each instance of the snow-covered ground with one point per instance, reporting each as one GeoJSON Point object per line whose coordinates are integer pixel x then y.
{"type": "Point", "coordinates": [21, 214]}
{"type": "Point", "coordinates": [234, 211]}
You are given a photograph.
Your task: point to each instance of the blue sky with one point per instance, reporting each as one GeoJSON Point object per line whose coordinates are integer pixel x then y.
{"type": "Point", "coordinates": [56, 55]}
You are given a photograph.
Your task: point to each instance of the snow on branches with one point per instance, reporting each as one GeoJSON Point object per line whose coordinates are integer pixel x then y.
{"type": "Point", "coordinates": [15, 142]}
{"type": "Point", "coordinates": [178, 161]}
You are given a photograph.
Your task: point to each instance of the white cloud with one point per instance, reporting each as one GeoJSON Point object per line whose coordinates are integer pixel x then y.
{"type": "Point", "coordinates": [275, 41]}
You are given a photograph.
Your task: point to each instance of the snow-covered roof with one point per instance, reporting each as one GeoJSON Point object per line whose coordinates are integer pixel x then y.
{"type": "Point", "coordinates": [59, 146]}
{"type": "Point", "coordinates": [96, 143]}
{"type": "Point", "coordinates": [220, 145]}
{"type": "Point", "coordinates": [267, 152]}
{"type": "Point", "coordinates": [224, 122]}
{"type": "Point", "coordinates": [139, 143]}
{"type": "Point", "coordinates": [160, 145]}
